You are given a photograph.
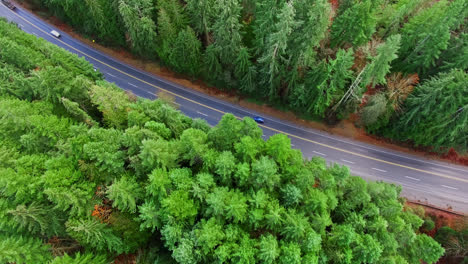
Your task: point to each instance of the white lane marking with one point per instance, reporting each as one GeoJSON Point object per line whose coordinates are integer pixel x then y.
{"type": "Point", "coordinates": [35, 34]}
{"type": "Point", "coordinates": [21, 25]}
{"type": "Point", "coordinates": [347, 161]}
{"type": "Point", "coordinates": [320, 153]}
{"type": "Point", "coordinates": [111, 75]}
{"type": "Point", "coordinates": [450, 187]}
{"type": "Point", "coordinates": [379, 170]}
{"type": "Point", "coordinates": [132, 84]}
{"type": "Point", "coordinates": [202, 114]}
{"type": "Point", "coordinates": [292, 145]}
{"type": "Point", "coordinates": [412, 178]}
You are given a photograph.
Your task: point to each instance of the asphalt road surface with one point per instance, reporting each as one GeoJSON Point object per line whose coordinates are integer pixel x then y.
{"type": "Point", "coordinates": [441, 184]}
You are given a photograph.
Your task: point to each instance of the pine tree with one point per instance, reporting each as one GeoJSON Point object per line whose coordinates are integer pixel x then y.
{"type": "Point", "coordinates": [331, 86]}
{"type": "Point", "coordinates": [355, 25]}
{"type": "Point", "coordinates": [380, 65]}
{"type": "Point", "coordinates": [75, 111]}
{"type": "Point", "coordinates": [312, 18]}
{"type": "Point", "coordinates": [125, 194]}
{"type": "Point", "coordinates": [18, 249]}
{"type": "Point", "coordinates": [202, 14]}
{"type": "Point", "coordinates": [274, 55]}
{"type": "Point", "coordinates": [79, 258]}
{"type": "Point", "coordinates": [245, 71]}
{"type": "Point", "coordinates": [437, 113]}
{"type": "Point", "coordinates": [112, 102]}
{"type": "Point", "coordinates": [427, 34]}
{"type": "Point", "coordinates": [372, 74]}
{"type": "Point", "coordinates": [185, 56]}
{"type": "Point", "coordinates": [171, 21]}
{"type": "Point", "coordinates": [94, 235]}
{"type": "Point", "coordinates": [137, 18]}
{"type": "Point", "coordinates": [36, 219]}
{"type": "Point", "coordinates": [226, 42]}
{"type": "Point", "coordinates": [74, 199]}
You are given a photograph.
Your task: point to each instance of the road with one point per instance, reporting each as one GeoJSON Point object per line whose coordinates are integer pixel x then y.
{"type": "Point", "coordinates": [441, 184]}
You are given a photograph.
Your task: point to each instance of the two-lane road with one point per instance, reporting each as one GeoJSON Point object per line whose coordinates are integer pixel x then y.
{"type": "Point", "coordinates": [442, 184]}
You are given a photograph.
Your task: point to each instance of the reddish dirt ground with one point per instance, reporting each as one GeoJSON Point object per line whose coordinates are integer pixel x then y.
{"type": "Point", "coordinates": [443, 218]}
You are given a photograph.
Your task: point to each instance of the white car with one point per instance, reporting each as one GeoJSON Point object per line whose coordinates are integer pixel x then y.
{"type": "Point", "coordinates": [55, 34]}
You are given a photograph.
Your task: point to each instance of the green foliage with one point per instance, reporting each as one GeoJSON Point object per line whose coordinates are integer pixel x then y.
{"type": "Point", "coordinates": [426, 35]}
{"type": "Point", "coordinates": [428, 225]}
{"type": "Point", "coordinates": [162, 184]}
{"type": "Point", "coordinates": [319, 91]}
{"type": "Point", "coordinates": [380, 65]}
{"type": "Point", "coordinates": [454, 242]}
{"type": "Point", "coordinates": [355, 25]}
{"type": "Point", "coordinates": [186, 54]}
{"type": "Point", "coordinates": [125, 193]}
{"type": "Point", "coordinates": [269, 249]}
{"type": "Point", "coordinates": [376, 107]}
{"type": "Point", "coordinates": [76, 112]}
{"type": "Point", "coordinates": [18, 249]}
{"type": "Point", "coordinates": [437, 114]}
{"type": "Point", "coordinates": [141, 29]}
{"type": "Point", "coordinates": [80, 259]}
{"type": "Point", "coordinates": [112, 102]}
{"type": "Point", "coordinates": [93, 234]}
{"type": "Point", "coordinates": [36, 219]}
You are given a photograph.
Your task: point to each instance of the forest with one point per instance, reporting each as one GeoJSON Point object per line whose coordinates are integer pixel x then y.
{"type": "Point", "coordinates": [398, 65]}
{"type": "Point", "coordinates": [90, 173]}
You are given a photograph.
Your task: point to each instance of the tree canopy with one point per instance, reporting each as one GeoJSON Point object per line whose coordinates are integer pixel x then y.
{"type": "Point", "coordinates": [89, 173]}
{"type": "Point", "coordinates": [320, 59]}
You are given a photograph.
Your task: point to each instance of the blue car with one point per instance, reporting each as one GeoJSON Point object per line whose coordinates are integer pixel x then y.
{"type": "Point", "coordinates": [259, 119]}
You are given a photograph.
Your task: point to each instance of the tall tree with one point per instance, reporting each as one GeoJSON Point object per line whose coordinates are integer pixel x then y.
{"type": "Point", "coordinates": [185, 56]}
{"type": "Point", "coordinates": [355, 25]}
{"type": "Point", "coordinates": [326, 84]}
{"type": "Point", "coordinates": [141, 29]}
{"type": "Point", "coordinates": [380, 64]}
{"type": "Point", "coordinates": [437, 113]}
{"type": "Point", "coordinates": [202, 14]}
{"type": "Point", "coordinates": [273, 56]}
{"type": "Point", "coordinates": [372, 74]}
{"type": "Point", "coordinates": [427, 34]}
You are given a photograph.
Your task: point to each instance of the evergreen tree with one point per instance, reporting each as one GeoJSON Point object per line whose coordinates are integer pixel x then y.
{"type": "Point", "coordinates": [202, 14]}
{"type": "Point", "coordinates": [79, 258]}
{"type": "Point", "coordinates": [141, 29]}
{"type": "Point", "coordinates": [125, 194]}
{"type": "Point", "coordinates": [18, 249]}
{"type": "Point", "coordinates": [355, 25]}
{"type": "Point", "coordinates": [427, 34]}
{"type": "Point", "coordinates": [324, 91]}
{"type": "Point", "coordinates": [36, 219]}
{"type": "Point", "coordinates": [171, 21]}
{"type": "Point", "coordinates": [380, 64]}
{"type": "Point", "coordinates": [186, 53]}
{"type": "Point", "coordinates": [93, 234]}
{"type": "Point", "coordinates": [436, 113]}
{"type": "Point", "coordinates": [274, 49]}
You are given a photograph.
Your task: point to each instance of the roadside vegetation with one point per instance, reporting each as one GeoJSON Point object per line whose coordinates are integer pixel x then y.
{"type": "Point", "coordinates": [91, 174]}
{"type": "Point", "coordinates": [399, 65]}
